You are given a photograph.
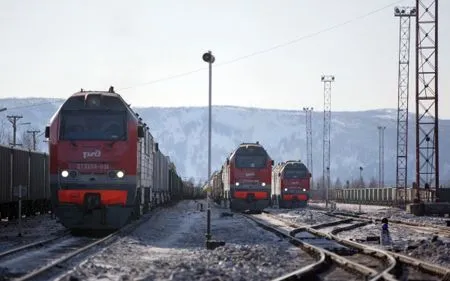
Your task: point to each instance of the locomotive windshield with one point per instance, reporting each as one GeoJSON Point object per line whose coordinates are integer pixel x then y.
{"type": "Point", "coordinates": [250, 157]}
{"type": "Point", "coordinates": [295, 171]}
{"type": "Point", "coordinates": [93, 125]}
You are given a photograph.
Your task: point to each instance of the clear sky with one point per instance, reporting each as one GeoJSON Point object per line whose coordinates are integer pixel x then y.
{"type": "Point", "coordinates": [52, 48]}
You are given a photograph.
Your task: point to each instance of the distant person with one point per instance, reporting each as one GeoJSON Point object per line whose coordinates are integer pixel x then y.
{"type": "Point", "coordinates": [385, 235]}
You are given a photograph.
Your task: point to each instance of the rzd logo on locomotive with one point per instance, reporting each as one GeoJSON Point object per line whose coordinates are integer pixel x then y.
{"type": "Point", "coordinates": [92, 154]}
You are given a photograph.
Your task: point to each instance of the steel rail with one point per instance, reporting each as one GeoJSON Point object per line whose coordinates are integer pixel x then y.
{"type": "Point", "coordinates": [415, 263]}
{"type": "Point", "coordinates": [108, 239]}
{"type": "Point", "coordinates": [33, 245]}
{"type": "Point", "coordinates": [323, 263]}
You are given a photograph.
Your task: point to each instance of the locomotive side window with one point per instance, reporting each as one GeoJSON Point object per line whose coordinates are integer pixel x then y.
{"type": "Point", "coordinates": [93, 125]}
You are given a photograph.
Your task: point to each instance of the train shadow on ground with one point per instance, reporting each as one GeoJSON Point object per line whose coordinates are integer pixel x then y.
{"type": "Point", "coordinates": [94, 233]}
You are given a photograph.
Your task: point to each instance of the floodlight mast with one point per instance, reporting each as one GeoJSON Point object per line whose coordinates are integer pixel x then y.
{"type": "Point", "coordinates": [404, 14]}
{"type": "Point", "coordinates": [327, 80]}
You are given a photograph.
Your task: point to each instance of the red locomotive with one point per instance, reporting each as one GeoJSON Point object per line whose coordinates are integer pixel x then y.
{"type": "Point", "coordinates": [246, 178]}
{"type": "Point", "coordinates": [105, 167]}
{"type": "Point", "coordinates": [291, 184]}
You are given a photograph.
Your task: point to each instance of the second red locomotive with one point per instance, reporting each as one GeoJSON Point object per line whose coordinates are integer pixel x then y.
{"type": "Point", "coordinates": [246, 178]}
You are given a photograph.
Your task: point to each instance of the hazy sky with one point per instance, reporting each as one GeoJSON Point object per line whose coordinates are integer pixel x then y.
{"type": "Point", "coordinates": [52, 48]}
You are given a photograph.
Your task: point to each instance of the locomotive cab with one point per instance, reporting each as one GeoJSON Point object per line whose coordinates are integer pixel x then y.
{"type": "Point", "coordinates": [247, 178]}
{"type": "Point", "coordinates": [94, 143]}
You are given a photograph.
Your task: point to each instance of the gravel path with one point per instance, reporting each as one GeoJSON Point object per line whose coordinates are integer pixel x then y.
{"type": "Point", "coordinates": [170, 246]}
{"type": "Point", "coordinates": [33, 229]}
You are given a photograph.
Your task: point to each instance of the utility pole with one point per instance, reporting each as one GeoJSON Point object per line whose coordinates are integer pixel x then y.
{"type": "Point", "coordinates": [381, 156]}
{"type": "Point", "coordinates": [309, 160]}
{"type": "Point", "coordinates": [404, 14]}
{"type": "Point", "coordinates": [427, 117]}
{"type": "Point", "coordinates": [327, 80]}
{"type": "Point", "coordinates": [360, 177]}
{"type": "Point", "coordinates": [13, 119]}
{"type": "Point", "coordinates": [34, 132]}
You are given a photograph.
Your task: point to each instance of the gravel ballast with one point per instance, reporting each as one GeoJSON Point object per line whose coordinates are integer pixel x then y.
{"type": "Point", "coordinates": [171, 246]}
{"type": "Point", "coordinates": [36, 228]}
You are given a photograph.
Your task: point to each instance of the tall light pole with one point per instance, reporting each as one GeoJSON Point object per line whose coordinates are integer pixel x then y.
{"type": "Point", "coordinates": [381, 156]}
{"type": "Point", "coordinates": [360, 177]}
{"type": "Point", "coordinates": [405, 14]}
{"type": "Point", "coordinates": [308, 125]}
{"type": "Point", "coordinates": [327, 80]}
{"type": "Point", "coordinates": [427, 95]}
{"type": "Point", "coordinates": [209, 58]}
{"type": "Point", "coordinates": [360, 184]}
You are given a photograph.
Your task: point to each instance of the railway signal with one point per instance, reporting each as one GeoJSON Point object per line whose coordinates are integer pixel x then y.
{"type": "Point", "coordinates": [209, 58]}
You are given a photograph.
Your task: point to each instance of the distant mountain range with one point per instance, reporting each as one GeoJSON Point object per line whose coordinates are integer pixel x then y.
{"type": "Point", "coordinates": [182, 134]}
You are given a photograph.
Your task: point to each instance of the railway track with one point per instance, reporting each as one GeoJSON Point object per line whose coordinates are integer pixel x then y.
{"type": "Point", "coordinates": [45, 259]}
{"type": "Point", "coordinates": [396, 266]}
{"type": "Point", "coordinates": [22, 248]}
{"type": "Point", "coordinates": [332, 259]}
{"type": "Point", "coordinates": [429, 228]}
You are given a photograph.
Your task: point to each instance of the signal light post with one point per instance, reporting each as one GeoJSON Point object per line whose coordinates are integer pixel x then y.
{"type": "Point", "coordinates": [209, 58]}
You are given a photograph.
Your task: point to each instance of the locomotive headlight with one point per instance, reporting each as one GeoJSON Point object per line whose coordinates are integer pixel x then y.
{"type": "Point", "coordinates": [120, 174]}
{"type": "Point", "coordinates": [64, 174]}
{"type": "Point", "coordinates": [237, 183]}
{"type": "Point", "coordinates": [263, 184]}
{"type": "Point", "coordinates": [304, 189]}
{"type": "Point", "coordinates": [285, 189]}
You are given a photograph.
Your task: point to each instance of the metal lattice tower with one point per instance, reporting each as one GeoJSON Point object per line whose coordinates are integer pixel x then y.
{"type": "Point", "coordinates": [427, 120]}
{"type": "Point", "coordinates": [381, 156]}
{"type": "Point", "coordinates": [308, 125]}
{"type": "Point", "coordinates": [327, 80]}
{"type": "Point", "coordinates": [405, 14]}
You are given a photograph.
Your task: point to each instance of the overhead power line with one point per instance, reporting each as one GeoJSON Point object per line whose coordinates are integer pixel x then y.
{"type": "Point", "coordinates": [256, 53]}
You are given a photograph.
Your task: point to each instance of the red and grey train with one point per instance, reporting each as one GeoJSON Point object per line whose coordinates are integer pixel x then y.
{"type": "Point", "coordinates": [244, 180]}
{"type": "Point", "coordinates": [105, 167]}
{"type": "Point", "coordinates": [290, 184]}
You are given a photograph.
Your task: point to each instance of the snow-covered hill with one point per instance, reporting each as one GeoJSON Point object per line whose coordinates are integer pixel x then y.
{"type": "Point", "coordinates": [182, 134]}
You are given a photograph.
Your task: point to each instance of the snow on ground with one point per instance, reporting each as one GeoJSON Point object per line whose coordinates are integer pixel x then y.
{"type": "Point", "coordinates": [424, 246]}
{"type": "Point", "coordinates": [410, 241]}
{"type": "Point", "coordinates": [385, 211]}
{"type": "Point", "coordinates": [302, 216]}
{"type": "Point", "coordinates": [171, 246]}
{"type": "Point", "coordinates": [34, 229]}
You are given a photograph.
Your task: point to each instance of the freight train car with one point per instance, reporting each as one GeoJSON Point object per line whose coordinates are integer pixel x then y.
{"type": "Point", "coordinates": [160, 177]}
{"type": "Point", "coordinates": [105, 167]}
{"type": "Point", "coordinates": [175, 183]}
{"type": "Point", "coordinates": [26, 169]}
{"type": "Point", "coordinates": [290, 184]}
{"type": "Point", "coordinates": [246, 178]}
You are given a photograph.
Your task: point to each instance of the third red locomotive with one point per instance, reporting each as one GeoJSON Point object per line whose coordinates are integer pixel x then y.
{"type": "Point", "coordinates": [291, 184]}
